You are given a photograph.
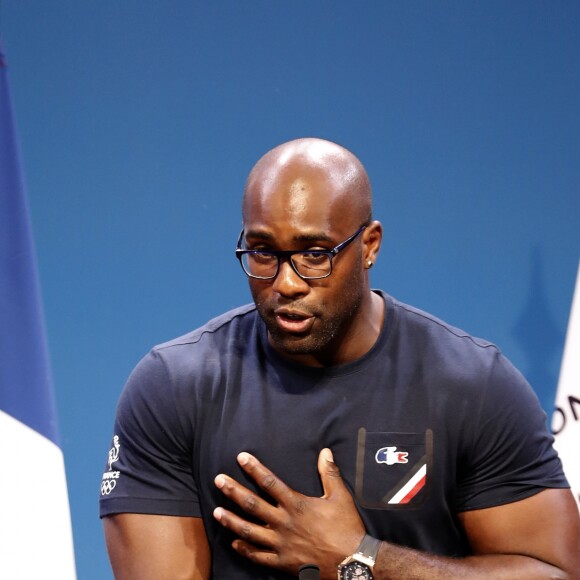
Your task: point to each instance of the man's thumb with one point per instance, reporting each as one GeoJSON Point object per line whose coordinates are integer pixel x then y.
{"type": "Point", "coordinates": [329, 473]}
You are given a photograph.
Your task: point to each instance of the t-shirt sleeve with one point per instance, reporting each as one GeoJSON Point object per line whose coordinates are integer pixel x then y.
{"type": "Point", "coordinates": [148, 468]}
{"type": "Point", "coordinates": [509, 454]}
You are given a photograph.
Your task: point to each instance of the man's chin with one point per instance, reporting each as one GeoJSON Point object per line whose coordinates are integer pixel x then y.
{"type": "Point", "coordinates": [308, 344]}
{"type": "Point", "coordinates": [291, 344]}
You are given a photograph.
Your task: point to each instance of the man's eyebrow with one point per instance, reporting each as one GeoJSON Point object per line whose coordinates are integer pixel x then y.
{"type": "Point", "coordinates": [314, 237]}
{"type": "Point", "coordinates": [258, 234]}
{"type": "Point", "coordinates": [306, 237]}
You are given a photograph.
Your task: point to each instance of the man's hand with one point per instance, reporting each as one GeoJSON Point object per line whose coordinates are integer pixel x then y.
{"type": "Point", "coordinates": [299, 529]}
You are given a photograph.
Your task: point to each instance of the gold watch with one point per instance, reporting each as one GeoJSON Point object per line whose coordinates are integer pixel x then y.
{"type": "Point", "coordinates": [359, 566]}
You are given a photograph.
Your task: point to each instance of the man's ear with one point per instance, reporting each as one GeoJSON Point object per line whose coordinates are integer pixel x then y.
{"type": "Point", "coordinates": [372, 238]}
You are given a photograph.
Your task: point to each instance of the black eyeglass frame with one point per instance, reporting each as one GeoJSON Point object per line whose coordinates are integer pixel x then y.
{"type": "Point", "coordinates": [287, 254]}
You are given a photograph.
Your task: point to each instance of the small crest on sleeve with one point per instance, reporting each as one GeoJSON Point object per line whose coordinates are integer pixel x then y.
{"type": "Point", "coordinates": [109, 480]}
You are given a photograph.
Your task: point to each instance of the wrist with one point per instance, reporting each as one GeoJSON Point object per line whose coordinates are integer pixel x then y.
{"type": "Point", "coordinates": [360, 564]}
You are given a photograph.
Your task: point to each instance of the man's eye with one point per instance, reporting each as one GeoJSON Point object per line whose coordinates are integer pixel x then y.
{"type": "Point", "coordinates": [314, 258]}
{"type": "Point", "coordinates": [262, 257]}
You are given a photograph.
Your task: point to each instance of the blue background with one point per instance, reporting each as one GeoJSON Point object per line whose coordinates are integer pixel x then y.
{"type": "Point", "coordinates": [140, 119]}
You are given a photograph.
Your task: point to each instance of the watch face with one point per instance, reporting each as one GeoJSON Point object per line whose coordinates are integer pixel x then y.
{"type": "Point", "coordinates": [356, 571]}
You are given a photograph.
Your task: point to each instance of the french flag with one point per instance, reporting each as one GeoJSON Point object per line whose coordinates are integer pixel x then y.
{"type": "Point", "coordinates": [35, 528]}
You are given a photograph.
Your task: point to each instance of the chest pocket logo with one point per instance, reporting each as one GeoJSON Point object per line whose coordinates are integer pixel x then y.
{"type": "Point", "coordinates": [393, 469]}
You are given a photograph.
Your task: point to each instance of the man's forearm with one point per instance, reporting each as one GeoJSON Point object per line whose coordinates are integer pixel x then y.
{"type": "Point", "coordinates": [399, 563]}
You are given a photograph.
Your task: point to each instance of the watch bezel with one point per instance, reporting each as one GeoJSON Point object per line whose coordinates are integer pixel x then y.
{"type": "Point", "coordinates": [353, 561]}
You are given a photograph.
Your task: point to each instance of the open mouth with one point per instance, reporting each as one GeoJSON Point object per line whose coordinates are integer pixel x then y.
{"type": "Point", "coordinates": [294, 322]}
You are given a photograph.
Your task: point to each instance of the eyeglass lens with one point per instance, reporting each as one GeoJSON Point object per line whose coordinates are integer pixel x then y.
{"type": "Point", "coordinates": [307, 264]}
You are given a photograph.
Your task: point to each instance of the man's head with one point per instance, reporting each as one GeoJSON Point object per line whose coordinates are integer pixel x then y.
{"type": "Point", "coordinates": [311, 194]}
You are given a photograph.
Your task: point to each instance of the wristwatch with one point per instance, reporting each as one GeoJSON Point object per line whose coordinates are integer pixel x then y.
{"type": "Point", "coordinates": [359, 566]}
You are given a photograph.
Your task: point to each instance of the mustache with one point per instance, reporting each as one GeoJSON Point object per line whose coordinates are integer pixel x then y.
{"type": "Point", "coordinates": [271, 306]}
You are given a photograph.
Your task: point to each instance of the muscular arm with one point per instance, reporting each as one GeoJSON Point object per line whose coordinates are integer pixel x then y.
{"type": "Point", "coordinates": [153, 547]}
{"type": "Point", "coordinates": [535, 538]}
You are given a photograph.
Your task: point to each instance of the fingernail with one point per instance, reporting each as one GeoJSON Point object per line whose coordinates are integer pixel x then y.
{"type": "Point", "coordinates": [220, 481]}
{"type": "Point", "coordinates": [218, 513]}
{"type": "Point", "coordinates": [328, 455]}
{"type": "Point", "coordinates": [243, 458]}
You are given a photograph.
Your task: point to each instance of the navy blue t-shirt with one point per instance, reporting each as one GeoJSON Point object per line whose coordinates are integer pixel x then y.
{"type": "Point", "coordinates": [429, 423]}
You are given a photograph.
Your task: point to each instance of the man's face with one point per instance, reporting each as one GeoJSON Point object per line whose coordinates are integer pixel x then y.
{"type": "Point", "coordinates": [306, 319]}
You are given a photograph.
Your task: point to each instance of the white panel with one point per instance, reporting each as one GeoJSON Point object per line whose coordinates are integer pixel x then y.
{"type": "Point", "coordinates": [566, 419]}
{"type": "Point", "coordinates": [35, 528]}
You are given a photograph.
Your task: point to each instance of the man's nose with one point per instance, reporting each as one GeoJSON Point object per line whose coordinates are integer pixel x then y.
{"type": "Point", "coordinates": [287, 282]}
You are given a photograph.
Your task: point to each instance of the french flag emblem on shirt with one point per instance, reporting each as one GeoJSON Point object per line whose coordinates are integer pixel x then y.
{"type": "Point", "coordinates": [411, 485]}
{"type": "Point", "coordinates": [392, 468]}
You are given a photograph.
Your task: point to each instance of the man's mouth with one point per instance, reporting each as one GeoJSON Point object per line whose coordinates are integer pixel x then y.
{"type": "Point", "coordinates": [293, 321]}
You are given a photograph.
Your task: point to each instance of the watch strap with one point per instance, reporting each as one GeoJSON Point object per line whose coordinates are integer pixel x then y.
{"type": "Point", "coordinates": [369, 548]}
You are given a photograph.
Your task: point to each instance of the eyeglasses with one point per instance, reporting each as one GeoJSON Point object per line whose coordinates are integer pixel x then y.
{"type": "Point", "coordinates": [309, 264]}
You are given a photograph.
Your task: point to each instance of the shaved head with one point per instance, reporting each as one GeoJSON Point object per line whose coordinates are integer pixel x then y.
{"type": "Point", "coordinates": [313, 197]}
{"type": "Point", "coordinates": [342, 170]}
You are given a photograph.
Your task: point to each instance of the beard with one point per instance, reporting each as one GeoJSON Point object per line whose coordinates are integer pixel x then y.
{"type": "Point", "coordinates": [331, 325]}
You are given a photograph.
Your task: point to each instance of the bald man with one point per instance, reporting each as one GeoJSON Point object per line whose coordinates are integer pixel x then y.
{"type": "Point", "coordinates": [328, 423]}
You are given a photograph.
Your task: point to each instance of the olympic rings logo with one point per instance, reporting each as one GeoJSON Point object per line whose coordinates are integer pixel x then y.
{"type": "Point", "coordinates": [108, 486]}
